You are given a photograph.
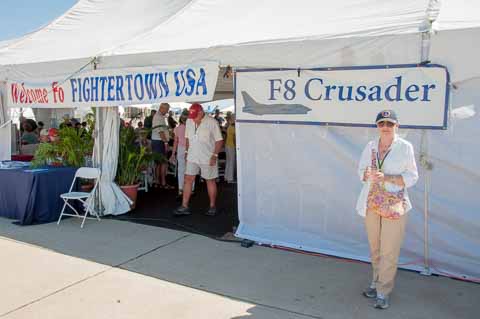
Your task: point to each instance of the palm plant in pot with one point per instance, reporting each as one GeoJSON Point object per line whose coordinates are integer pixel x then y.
{"type": "Point", "coordinates": [132, 161]}
{"type": "Point", "coordinates": [70, 149]}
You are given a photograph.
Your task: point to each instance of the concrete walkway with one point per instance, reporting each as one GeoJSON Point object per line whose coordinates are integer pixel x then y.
{"type": "Point", "coordinates": [114, 269]}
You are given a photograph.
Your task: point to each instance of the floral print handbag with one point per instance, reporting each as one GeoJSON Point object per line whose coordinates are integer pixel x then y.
{"type": "Point", "coordinates": [387, 204]}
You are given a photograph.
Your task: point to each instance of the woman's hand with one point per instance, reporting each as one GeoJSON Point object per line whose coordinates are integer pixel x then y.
{"type": "Point", "coordinates": [376, 176]}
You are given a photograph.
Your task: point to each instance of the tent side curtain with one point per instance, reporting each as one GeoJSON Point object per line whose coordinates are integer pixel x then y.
{"type": "Point", "coordinates": [106, 149]}
{"type": "Point", "coordinates": [4, 117]}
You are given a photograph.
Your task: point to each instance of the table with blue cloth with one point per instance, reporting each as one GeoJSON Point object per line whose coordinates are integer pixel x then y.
{"type": "Point", "coordinates": [32, 196]}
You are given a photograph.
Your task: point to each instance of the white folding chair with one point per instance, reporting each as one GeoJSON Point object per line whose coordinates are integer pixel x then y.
{"type": "Point", "coordinates": [144, 182]}
{"type": "Point", "coordinates": [85, 198]}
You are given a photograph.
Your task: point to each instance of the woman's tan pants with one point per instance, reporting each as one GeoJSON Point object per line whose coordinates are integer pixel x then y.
{"type": "Point", "coordinates": [385, 237]}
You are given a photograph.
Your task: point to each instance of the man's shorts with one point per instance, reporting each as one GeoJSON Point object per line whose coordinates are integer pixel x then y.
{"type": "Point", "coordinates": [206, 171]}
{"type": "Point", "coordinates": [159, 147]}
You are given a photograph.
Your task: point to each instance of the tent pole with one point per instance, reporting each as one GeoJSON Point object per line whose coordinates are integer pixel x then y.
{"type": "Point", "coordinates": [431, 15]}
{"type": "Point", "coordinates": [98, 145]}
{"type": "Point", "coordinates": [427, 168]}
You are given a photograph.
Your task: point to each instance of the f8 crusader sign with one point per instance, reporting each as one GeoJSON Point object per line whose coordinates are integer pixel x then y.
{"type": "Point", "coordinates": [344, 96]}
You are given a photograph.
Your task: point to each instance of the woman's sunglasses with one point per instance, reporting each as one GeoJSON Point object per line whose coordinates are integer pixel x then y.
{"type": "Point", "coordinates": [383, 123]}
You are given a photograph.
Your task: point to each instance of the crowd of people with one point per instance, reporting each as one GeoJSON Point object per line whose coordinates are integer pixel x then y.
{"type": "Point", "coordinates": [191, 143]}
{"type": "Point", "coordinates": [32, 132]}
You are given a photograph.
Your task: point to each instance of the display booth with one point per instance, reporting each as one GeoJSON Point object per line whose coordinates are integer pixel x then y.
{"type": "Point", "coordinates": [297, 167]}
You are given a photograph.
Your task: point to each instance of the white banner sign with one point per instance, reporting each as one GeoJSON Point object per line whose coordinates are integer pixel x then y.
{"type": "Point", "coordinates": [117, 87]}
{"type": "Point", "coordinates": [344, 96]}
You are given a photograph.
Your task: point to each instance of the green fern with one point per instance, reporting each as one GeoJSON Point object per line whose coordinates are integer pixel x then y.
{"type": "Point", "coordinates": [132, 158]}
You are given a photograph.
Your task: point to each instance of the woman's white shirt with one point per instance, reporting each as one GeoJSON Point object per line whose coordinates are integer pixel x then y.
{"type": "Point", "coordinates": [399, 161]}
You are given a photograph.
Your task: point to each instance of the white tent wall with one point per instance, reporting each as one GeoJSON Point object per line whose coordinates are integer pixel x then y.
{"type": "Point", "coordinates": [454, 201]}
{"type": "Point", "coordinates": [308, 202]}
{"type": "Point", "coordinates": [298, 184]}
{"type": "Point", "coordinates": [298, 187]}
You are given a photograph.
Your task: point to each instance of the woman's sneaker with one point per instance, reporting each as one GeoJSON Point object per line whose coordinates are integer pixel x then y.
{"type": "Point", "coordinates": [382, 302]}
{"type": "Point", "coordinates": [370, 292]}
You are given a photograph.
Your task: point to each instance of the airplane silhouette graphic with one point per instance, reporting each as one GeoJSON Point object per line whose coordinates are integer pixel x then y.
{"type": "Point", "coordinates": [253, 107]}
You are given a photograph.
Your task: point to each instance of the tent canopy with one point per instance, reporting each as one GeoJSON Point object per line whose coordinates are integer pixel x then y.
{"type": "Point", "coordinates": [303, 33]}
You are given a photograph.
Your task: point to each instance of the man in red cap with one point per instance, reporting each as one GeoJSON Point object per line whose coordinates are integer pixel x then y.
{"type": "Point", "coordinates": [203, 143]}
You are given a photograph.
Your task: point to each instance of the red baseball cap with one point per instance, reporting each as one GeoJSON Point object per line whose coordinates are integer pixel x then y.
{"type": "Point", "coordinates": [195, 108]}
{"type": "Point", "coordinates": [53, 132]}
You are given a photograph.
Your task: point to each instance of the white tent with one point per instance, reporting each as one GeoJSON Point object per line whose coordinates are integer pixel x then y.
{"type": "Point", "coordinates": [299, 34]}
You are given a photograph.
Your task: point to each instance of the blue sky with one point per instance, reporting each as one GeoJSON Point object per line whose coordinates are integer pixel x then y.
{"type": "Point", "coordinates": [18, 17]}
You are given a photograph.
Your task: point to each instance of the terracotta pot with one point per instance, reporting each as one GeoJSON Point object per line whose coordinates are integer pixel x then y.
{"type": "Point", "coordinates": [56, 164]}
{"type": "Point", "coordinates": [131, 191]}
{"type": "Point", "coordinates": [87, 188]}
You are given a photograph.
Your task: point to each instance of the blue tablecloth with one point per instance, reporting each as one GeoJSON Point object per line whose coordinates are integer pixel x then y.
{"type": "Point", "coordinates": [33, 195]}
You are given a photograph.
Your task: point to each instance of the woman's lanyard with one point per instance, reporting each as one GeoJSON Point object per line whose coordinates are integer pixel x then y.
{"type": "Point", "coordinates": [380, 163]}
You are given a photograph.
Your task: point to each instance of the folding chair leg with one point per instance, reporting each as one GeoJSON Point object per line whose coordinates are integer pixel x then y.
{"type": "Point", "coordinates": [85, 216]}
{"type": "Point", "coordinates": [61, 214]}
{"type": "Point", "coordinates": [145, 179]}
{"type": "Point", "coordinates": [89, 210]}
{"type": "Point", "coordinates": [73, 208]}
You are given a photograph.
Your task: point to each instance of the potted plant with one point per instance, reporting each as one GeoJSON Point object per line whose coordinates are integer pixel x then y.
{"type": "Point", "coordinates": [45, 154]}
{"type": "Point", "coordinates": [74, 146]}
{"type": "Point", "coordinates": [132, 160]}
{"type": "Point", "coordinates": [69, 149]}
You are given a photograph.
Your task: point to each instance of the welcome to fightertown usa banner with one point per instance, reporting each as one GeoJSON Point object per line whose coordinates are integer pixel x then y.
{"type": "Point", "coordinates": [117, 87]}
{"type": "Point", "coordinates": [344, 96]}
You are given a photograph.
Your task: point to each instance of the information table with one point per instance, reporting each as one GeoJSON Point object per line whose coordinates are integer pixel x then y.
{"type": "Point", "coordinates": [32, 196]}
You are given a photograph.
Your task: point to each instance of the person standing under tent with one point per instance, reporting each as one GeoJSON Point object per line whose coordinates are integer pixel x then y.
{"type": "Point", "coordinates": [230, 150]}
{"type": "Point", "coordinates": [387, 162]}
{"type": "Point", "coordinates": [171, 121]}
{"type": "Point", "coordinates": [203, 143]}
{"type": "Point", "coordinates": [29, 135]}
{"type": "Point", "coordinates": [178, 153]}
{"type": "Point", "coordinates": [147, 123]}
{"type": "Point", "coordinates": [160, 137]}
{"type": "Point", "coordinates": [139, 130]}
{"type": "Point", "coordinates": [66, 122]}
{"type": "Point", "coordinates": [218, 117]}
